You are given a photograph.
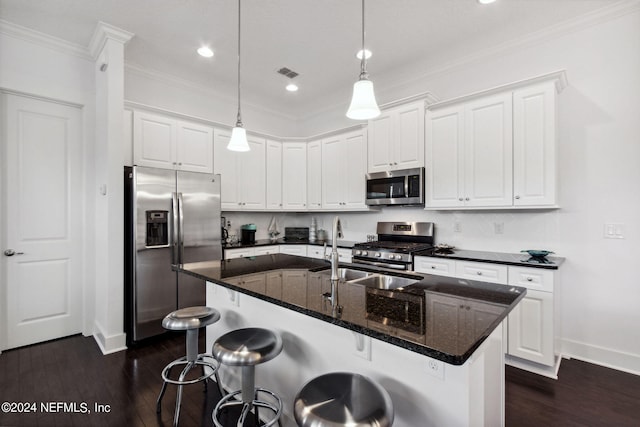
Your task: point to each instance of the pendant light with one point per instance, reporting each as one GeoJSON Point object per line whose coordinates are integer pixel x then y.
{"type": "Point", "coordinates": [238, 140]}
{"type": "Point", "coordinates": [363, 103]}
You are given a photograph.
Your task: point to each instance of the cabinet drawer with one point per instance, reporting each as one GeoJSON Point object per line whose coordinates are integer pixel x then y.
{"type": "Point", "coordinates": [267, 250]}
{"type": "Point", "coordinates": [238, 253]}
{"type": "Point", "coordinates": [300, 250]}
{"type": "Point", "coordinates": [314, 251]}
{"type": "Point", "coordinates": [429, 265]}
{"type": "Point", "coordinates": [344, 255]}
{"type": "Point", "coordinates": [481, 271]}
{"type": "Point", "coordinates": [531, 278]}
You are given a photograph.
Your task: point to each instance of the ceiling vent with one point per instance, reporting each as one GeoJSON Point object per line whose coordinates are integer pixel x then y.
{"type": "Point", "coordinates": [287, 72]}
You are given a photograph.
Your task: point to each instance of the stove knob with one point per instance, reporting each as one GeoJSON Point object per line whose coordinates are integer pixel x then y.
{"type": "Point", "coordinates": [365, 253]}
{"type": "Point", "coordinates": [358, 252]}
{"type": "Point", "coordinates": [391, 256]}
{"type": "Point", "coordinates": [378, 255]}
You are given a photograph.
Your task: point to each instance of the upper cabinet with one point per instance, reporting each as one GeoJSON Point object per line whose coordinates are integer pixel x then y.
{"type": "Point", "coordinates": [495, 149]}
{"type": "Point", "coordinates": [242, 174]}
{"type": "Point", "coordinates": [314, 175]}
{"type": "Point", "coordinates": [396, 138]}
{"type": "Point", "coordinates": [274, 175]}
{"type": "Point", "coordinates": [170, 143]}
{"type": "Point", "coordinates": [294, 176]}
{"type": "Point", "coordinates": [343, 171]}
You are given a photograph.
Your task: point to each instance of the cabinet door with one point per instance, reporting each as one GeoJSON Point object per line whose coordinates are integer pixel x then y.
{"type": "Point", "coordinates": [445, 157]}
{"type": "Point", "coordinates": [531, 334]}
{"type": "Point", "coordinates": [317, 285]}
{"type": "Point", "coordinates": [408, 143]}
{"type": "Point", "coordinates": [352, 297]}
{"type": "Point", "coordinates": [274, 284]}
{"type": "Point", "coordinates": [252, 175]}
{"type": "Point", "coordinates": [294, 287]}
{"type": "Point", "coordinates": [314, 175]}
{"type": "Point", "coordinates": [294, 176]}
{"type": "Point", "coordinates": [380, 143]}
{"type": "Point", "coordinates": [488, 142]}
{"type": "Point", "coordinates": [225, 163]}
{"type": "Point", "coordinates": [354, 170]}
{"type": "Point", "coordinates": [444, 322]}
{"type": "Point", "coordinates": [333, 166]}
{"type": "Point", "coordinates": [534, 152]}
{"type": "Point", "coordinates": [194, 150]}
{"type": "Point", "coordinates": [254, 283]}
{"type": "Point", "coordinates": [274, 175]}
{"type": "Point", "coordinates": [154, 140]}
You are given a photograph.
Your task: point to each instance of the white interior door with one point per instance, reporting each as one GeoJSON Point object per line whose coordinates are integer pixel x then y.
{"type": "Point", "coordinates": [42, 220]}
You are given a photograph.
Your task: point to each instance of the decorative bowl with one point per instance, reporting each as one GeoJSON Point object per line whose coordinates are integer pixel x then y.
{"type": "Point", "coordinates": [537, 253]}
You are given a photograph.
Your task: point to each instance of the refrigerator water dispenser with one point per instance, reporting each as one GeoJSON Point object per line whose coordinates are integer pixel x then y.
{"type": "Point", "coordinates": [157, 228]}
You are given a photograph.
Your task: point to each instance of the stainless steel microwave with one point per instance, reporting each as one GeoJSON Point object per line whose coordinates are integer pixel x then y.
{"type": "Point", "coordinates": [399, 187]}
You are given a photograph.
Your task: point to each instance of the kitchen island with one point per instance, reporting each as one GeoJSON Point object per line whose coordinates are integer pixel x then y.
{"type": "Point", "coordinates": [444, 369]}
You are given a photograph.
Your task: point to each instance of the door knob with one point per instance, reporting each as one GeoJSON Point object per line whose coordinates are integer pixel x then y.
{"type": "Point", "coordinates": [11, 252]}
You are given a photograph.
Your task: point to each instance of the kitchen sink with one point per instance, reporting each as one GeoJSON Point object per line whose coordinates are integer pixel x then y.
{"type": "Point", "coordinates": [380, 281]}
{"type": "Point", "coordinates": [348, 274]}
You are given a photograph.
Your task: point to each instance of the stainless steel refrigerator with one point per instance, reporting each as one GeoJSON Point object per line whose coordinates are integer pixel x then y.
{"type": "Point", "coordinates": [171, 218]}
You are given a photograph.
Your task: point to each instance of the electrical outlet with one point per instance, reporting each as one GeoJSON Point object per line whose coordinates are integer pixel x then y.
{"type": "Point", "coordinates": [498, 227]}
{"type": "Point", "coordinates": [457, 227]}
{"type": "Point", "coordinates": [436, 368]}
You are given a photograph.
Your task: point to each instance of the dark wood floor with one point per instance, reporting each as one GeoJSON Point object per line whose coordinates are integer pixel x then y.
{"type": "Point", "coordinates": [73, 370]}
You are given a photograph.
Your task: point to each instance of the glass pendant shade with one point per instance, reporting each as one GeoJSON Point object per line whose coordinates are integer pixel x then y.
{"type": "Point", "coordinates": [238, 141]}
{"type": "Point", "coordinates": [363, 103]}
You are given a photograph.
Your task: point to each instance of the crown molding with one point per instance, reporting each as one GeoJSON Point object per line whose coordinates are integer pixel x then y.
{"type": "Point", "coordinates": [44, 40]}
{"type": "Point", "coordinates": [182, 83]}
{"type": "Point", "coordinates": [104, 32]}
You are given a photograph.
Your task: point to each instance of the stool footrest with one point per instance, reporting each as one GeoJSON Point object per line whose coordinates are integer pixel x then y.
{"type": "Point", "coordinates": [228, 401]}
{"type": "Point", "coordinates": [201, 360]}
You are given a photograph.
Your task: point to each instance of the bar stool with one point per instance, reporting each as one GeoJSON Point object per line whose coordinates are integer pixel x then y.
{"type": "Point", "coordinates": [189, 319]}
{"type": "Point", "coordinates": [246, 348]}
{"type": "Point", "coordinates": [342, 399]}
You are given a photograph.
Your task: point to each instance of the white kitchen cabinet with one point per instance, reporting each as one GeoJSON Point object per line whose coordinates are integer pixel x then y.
{"type": "Point", "coordinates": [534, 146]}
{"type": "Point", "coordinates": [343, 171]}
{"type": "Point", "coordinates": [300, 250]}
{"type": "Point", "coordinates": [294, 176]}
{"type": "Point", "coordinates": [396, 138]}
{"type": "Point", "coordinates": [531, 323]}
{"type": "Point", "coordinates": [482, 271]}
{"type": "Point", "coordinates": [169, 143]}
{"type": "Point", "coordinates": [318, 252]}
{"type": "Point", "coordinates": [266, 250]}
{"type": "Point", "coordinates": [433, 265]}
{"type": "Point", "coordinates": [314, 175]}
{"type": "Point", "coordinates": [242, 173]}
{"type": "Point", "coordinates": [251, 251]}
{"type": "Point", "coordinates": [344, 255]}
{"type": "Point", "coordinates": [274, 175]}
{"type": "Point", "coordinates": [469, 154]}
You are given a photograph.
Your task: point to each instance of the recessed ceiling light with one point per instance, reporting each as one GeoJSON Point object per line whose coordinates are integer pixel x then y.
{"type": "Point", "coordinates": [292, 87]}
{"type": "Point", "coordinates": [485, 1]}
{"type": "Point", "coordinates": [205, 51]}
{"type": "Point", "coordinates": [367, 53]}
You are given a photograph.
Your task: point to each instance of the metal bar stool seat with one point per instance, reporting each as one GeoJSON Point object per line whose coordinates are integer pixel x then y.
{"type": "Point", "coordinates": [189, 319]}
{"type": "Point", "coordinates": [246, 348]}
{"type": "Point", "coordinates": [342, 399]}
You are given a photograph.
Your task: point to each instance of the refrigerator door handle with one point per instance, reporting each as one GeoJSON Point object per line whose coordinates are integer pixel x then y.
{"type": "Point", "coordinates": [174, 229]}
{"type": "Point", "coordinates": [180, 230]}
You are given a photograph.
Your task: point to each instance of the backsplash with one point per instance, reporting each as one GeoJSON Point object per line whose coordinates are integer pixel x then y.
{"type": "Point", "coordinates": [497, 231]}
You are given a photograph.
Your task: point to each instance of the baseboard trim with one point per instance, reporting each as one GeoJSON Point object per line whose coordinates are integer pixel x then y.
{"type": "Point", "coordinates": [110, 344]}
{"type": "Point", "coordinates": [621, 361]}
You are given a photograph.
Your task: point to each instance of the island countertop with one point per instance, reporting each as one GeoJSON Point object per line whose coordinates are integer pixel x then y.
{"type": "Point", "coordinates": [458, 314]}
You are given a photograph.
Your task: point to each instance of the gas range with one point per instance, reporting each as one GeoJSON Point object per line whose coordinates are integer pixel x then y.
{"type": "Point", "coordinates": [396, 244]}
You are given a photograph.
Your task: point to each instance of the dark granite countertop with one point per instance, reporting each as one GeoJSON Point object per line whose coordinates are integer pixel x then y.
{"type": "Point", "coordinates": [267, 242]}
{"type": "Point", "coordinates": [481, 306]}
{"type": "Point", "coordinates": [519, 259]}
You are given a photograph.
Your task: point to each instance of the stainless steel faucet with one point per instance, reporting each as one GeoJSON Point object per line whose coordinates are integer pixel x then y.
{"type": "Point", "coordinates": [336, 310]}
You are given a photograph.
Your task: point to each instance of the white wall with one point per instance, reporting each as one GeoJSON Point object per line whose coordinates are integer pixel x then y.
{"type": "Point", "coordinates": [599, 177]}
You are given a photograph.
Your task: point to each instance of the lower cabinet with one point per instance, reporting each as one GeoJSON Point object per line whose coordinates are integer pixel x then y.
{"type": "Point", "coordinates": [294, 287]}
{"type": "Point", "coordinates": [251, 251]}
{"type": "Point", "coordinates": [274, 284]}
{"type": "Point", "coordinates": [531, 325]}
{"type": "Point", "coordinates": [251, 282]}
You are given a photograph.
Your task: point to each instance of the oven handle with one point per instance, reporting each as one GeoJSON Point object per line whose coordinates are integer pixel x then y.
{"type": "Point", "coordinates": [406, 186]}
{"type": "Point", "coordinates": [384, 264]}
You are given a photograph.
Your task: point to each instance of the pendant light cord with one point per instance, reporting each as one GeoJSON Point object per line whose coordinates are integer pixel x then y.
{"type": "Point", "coordinates": [239, 119]}
{"type": "Point", "coordinates": [363, 62]}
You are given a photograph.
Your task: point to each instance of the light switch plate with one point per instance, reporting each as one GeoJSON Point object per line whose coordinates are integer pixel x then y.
{"type": "Point", "coordinates": [613, 231]}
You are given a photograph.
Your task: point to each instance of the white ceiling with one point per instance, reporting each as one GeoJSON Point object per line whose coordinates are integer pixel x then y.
{"type": "Point", "coordinates": [316, 38]}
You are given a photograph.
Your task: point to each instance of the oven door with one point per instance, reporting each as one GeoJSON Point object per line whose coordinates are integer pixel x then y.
{"type": "Point", "coordinates": [396, 309]}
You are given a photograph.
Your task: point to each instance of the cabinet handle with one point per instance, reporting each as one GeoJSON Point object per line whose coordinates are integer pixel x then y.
{"type": "Point", "coordinates": [461, 199]}
{"type": "Point", "coordinates": [529, 279]}
{"type": "Point", "coordinates": [466, 199]}
{"type": "Point", "coordinates": [479, 273]}
{"type": "Point", "coordinates": [461, 306]}
{"type": "Point", "coordinates": [517, 197]}
{"type": "Point", "coordinates": [180, 164]}
{"type": "Point", "coordinates": [395, 163]}
{"type": "Point", "coordinates": [390, 164]}
{"type": "Point", "coordinates": [433, 266]}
